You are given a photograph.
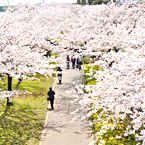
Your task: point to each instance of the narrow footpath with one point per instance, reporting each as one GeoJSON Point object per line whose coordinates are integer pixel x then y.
{"type": "Point", "coordinates": [58, 129]}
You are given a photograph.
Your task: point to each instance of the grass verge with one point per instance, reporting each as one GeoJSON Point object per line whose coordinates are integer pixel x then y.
{"type": "Point", "coordinates": [23, 122]}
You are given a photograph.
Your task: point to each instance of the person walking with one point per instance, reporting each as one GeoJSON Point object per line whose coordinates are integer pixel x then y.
{"type": "Point", "coordinates": [79, 63]}
{"type": "Point", "coordinates": [51, 94]}
{"type": "Point", "coordinates": [67, 61]}
{"type": "Point", "coordinates": [59, 70]}
{"type": "Point", "coordinates": [73, 60]}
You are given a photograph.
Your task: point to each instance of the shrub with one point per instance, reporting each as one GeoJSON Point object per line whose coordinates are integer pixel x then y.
{"type": "Point", "coordinates": [61, 32]}
{"type": "Point", "coordinates": [54, 54]}
{"type": "Point", "coordinates": [82, 44]}
{"type": "Point", "coordinates": [91, 82]}
{"type": "Point", "coordinates": [96, 67]}
{"type": "Point", "coordinates": [87, 60]}
{"type": "Point", "coordinates": [87, 68]}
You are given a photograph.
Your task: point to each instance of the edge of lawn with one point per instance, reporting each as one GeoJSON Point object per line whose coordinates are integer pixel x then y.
{"type": "Point", "coordinates": [23, 122]}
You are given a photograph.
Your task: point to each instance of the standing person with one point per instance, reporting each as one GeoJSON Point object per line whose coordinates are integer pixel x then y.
{"type": "Point", "coordinates": [67, 61]}
{"type": "Point", "coordinates": [51, 94]}
{"type": "Point", "coordinates": [79, 62]}
{"type": "Point", "coordinates": [81, 57]}
{"type": "Point", "coordinates": [73, 60]}
{"type": "Point", "coordinates": [59, 70]}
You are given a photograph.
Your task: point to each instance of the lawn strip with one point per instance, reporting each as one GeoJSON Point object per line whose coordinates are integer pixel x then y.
{"type": "Point", "coordinates": [23, 122]}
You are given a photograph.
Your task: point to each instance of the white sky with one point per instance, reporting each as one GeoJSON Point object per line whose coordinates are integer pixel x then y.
{"type": "Point", "coordinates": [5, 2]}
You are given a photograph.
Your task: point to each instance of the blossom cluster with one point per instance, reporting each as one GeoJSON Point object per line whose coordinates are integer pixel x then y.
{"type": "Point", "coordinates": [15, 93]}
{"type": "Point", "coordinates": [120, 89]}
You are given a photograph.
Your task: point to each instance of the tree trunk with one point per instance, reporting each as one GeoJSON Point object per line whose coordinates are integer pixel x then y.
{"type": "Point", "coordinates": [9, 99]}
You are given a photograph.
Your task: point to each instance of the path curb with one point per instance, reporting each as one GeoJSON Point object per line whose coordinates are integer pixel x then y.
{"type": "Point", "coordinates": [47, 114]}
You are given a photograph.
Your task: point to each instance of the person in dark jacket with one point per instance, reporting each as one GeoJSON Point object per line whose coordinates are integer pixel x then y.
{"type": "Point", "coordinates": [51, 94]}
{"type": "Point", "coordinates": [67, 61]}
{"type": "Point", "coordinates": [59, 74]}
{"type": "Point", "coordinates": [73, 60]}
{"type": "Point", "coordinates": [79, 62]}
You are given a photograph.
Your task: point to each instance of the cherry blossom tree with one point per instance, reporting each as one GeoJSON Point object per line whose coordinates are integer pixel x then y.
{"type": "Point", "coordinates": [114, 34]}
{"type": "Point", "coordinates": [22, 49]}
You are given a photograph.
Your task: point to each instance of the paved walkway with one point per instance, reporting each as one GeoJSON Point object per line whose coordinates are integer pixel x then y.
{"type": "Point", "coordinates": [58, 129]}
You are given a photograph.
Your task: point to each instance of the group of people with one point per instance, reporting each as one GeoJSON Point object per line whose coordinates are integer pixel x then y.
{"type": "Point", "coordinates": [75, 62]}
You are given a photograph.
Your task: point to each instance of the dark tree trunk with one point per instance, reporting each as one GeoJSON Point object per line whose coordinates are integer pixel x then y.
{"type": "Point", "coordinates": [9, 88]}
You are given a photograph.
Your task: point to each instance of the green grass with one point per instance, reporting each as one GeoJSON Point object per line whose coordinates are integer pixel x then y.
{"type": "Point", "coordinates": [23, 122]}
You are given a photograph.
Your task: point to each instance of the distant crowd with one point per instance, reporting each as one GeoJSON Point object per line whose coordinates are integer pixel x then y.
{"type": "Point", "coordinates": [76, 62]}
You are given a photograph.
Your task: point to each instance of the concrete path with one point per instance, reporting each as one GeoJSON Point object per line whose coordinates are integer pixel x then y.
{"type": "Point", "coordinates": [58, 129]}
